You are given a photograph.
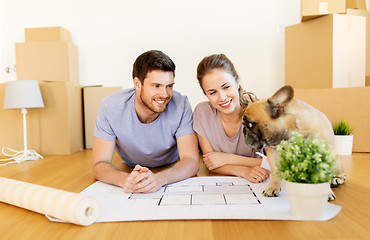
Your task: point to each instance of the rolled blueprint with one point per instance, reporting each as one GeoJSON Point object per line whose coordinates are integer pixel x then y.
{"type": "Point", "coordinates": [67, 206]}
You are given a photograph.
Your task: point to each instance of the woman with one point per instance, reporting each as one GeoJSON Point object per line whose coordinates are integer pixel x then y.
{"type": "Point", "coordinates": [218, 123]}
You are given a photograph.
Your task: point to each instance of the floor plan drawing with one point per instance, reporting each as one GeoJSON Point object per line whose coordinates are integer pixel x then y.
{"type": "Point", "coordinates": [194, 198]}
{"type": "Point", "coordinates": [220, 193]}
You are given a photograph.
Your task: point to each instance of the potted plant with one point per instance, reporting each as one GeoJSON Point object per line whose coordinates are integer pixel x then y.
{"type": "Point", "coordinates": [306, 166]}
{"type": "Point", "coordinates": [343, 141]}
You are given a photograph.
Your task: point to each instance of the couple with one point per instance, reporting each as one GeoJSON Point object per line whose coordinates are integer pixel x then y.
{"type": "Point", "coordinates": [151, 125]}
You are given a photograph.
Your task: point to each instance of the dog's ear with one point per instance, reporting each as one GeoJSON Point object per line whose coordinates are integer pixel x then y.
{"type": "Point", "coordinates": [279, 100]}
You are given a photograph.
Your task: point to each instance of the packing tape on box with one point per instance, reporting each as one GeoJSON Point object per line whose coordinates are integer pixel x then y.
{"type": "Point", "coordinates": [60, 204]}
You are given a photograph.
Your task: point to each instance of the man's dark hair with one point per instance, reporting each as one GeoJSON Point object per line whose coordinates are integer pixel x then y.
{"type": "Point", "coordinates": [152, 60]}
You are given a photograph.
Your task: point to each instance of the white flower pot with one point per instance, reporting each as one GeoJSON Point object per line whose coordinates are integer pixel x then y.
{"type": "Point", "coordinates": [343, 144]}
{"type": "Point", "coordinates": [307, 201]}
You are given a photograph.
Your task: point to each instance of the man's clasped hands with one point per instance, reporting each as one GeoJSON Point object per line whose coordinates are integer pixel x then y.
{"type": "Point", "coordinates": [141, 179]}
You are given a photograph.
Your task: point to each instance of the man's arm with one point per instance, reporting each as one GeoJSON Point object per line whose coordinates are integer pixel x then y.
{"type": "Point", "coordinates": [102, 167]}
{"type": "Point", "coordinates": [187, 166]}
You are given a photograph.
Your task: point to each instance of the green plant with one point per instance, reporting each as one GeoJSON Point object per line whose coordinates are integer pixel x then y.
{"type": "Point", "coordinates": [342, 128]}
{"type": "Point", "coordinates": [305, 160]}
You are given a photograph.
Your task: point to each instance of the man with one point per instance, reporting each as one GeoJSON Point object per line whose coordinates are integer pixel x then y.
{"type": "Point", "coordinates": [149, 125]}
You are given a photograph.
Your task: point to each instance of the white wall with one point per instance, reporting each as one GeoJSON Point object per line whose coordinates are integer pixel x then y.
{"type": "Point", "coordinates": [110, 35]}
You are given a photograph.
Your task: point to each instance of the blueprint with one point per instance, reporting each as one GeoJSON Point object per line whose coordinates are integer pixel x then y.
{"type": "Point", "coordinates": [195, 198]}
{"type": "Point", "coordinates": [198, 191]}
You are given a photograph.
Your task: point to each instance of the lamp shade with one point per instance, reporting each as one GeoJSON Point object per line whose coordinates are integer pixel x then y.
{"type": "Point", "coordinates": [23, 94]}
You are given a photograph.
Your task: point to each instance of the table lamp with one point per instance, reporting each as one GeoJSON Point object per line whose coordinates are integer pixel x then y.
{"type": "Point", "coordinates": [22, 94]}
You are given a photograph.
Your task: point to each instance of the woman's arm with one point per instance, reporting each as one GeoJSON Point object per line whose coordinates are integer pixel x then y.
{"type": "Point", "coordinates": [215, 160]}
{"type": "Point", "coordinates": [253, 173]}
{"type": "Point", "coordinates": [250, 170]}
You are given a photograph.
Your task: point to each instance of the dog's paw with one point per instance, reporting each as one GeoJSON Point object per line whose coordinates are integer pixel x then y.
{"type": "Point", "coordinates": [338, 180]}
{"type": "Point", "coordinates": [271, 192]}
{"type": "Point", "coordinates": [331, 196]}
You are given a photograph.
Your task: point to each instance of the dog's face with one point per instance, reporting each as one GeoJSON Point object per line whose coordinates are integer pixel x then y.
{"type": "Point", "coordinates": [264, 121]}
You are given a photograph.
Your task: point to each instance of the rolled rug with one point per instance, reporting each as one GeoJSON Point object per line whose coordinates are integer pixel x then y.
{"type": "Point", "coordinates": [60, 204]}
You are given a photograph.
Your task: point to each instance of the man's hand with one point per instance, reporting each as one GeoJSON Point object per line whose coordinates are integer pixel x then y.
{"type": "Point", "coordinates": [142, 180]}
{"type": "Point", "coordinates": [130, 182]}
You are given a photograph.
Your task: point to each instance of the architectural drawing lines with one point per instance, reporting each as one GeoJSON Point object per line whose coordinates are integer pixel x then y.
{"type": "Point", "coordinates": [219, 193]}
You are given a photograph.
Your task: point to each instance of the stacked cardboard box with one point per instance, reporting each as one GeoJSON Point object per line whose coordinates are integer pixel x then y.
{"type": "Point", "coordinates": [366, 14]}
{"type": "Point", "coordinates": [47, 34]}
{"type": "Point", "coordinates": [349, 104]}
{"type": "Point", "coordinates": [327, 61]}
{"type": "Point", "coordinates": [61, 124]}
{"type": "Point", "coordinates": [356, 4]}
{"type": "Point", "coordinates": [327, 51]}
{"type": "Point", "coordinates": [55, 61]}
{"type": "Point", "coordinates": [92, 96]}
{"type": "Point", "coordinates": [49, 56]}
{"type": "Point", "coordinates": [328, 48]}
{"type": "Point", "coordinates": [316, 8]}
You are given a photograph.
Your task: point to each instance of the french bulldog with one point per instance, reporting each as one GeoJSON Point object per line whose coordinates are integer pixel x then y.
{"type": "Point", "coordinates": [269, 121]}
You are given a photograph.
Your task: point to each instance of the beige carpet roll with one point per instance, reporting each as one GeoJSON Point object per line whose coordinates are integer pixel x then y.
{"type": "Point", "coordinates": [67, 206]}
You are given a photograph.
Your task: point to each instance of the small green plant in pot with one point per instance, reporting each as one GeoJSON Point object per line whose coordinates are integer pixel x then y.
{"type": "Point", "coordinates": [343, 141]}
{"type": "Point", "coordinates": [307, 166]}
{"type": "Point", "coordinates": [342, 128]}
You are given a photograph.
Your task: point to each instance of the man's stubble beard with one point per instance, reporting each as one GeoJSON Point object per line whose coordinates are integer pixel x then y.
{"type": "Point", "coordinates": [149, 104]}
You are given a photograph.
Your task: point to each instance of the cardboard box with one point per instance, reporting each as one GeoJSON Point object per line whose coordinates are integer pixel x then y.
{"type": "Point", "coordinates": [47, 34]}
{"type": "Point", "coordinates": [326, 52]}
{"type": "Point", "coordinates": [367, 80]}
{"type": "Point", "coordinates": [47, 61]}
{"type": "Point", "coordinates": [357, 4]}
{"type": "Point", "coordinates": [366, 14]}
{"type": "Point", "coordinates": [61, 122]}
{"type": "Point", "coordinates": [316, 8]}
{"type": "Point", "coordinates": [92, 96]}
{"type": "Point", "coordinates": [11, 127]}
{"type": "Point", "coordinates": [349, 104]}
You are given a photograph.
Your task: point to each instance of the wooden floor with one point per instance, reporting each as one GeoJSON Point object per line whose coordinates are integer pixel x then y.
{"type": "Point", "coordinates": [73, 173]}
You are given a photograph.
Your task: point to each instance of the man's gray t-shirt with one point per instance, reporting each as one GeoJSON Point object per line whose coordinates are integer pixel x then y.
{"type": "Point", "coordinates": [152, 144]}
{"type": "Point", "coordinates": [207, 123]}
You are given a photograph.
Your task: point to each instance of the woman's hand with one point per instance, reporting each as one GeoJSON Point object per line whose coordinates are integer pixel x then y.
{"type": "Point", "coordinates": [257, 174]}
{"type": "Point", "coordinates": [214, 160]}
